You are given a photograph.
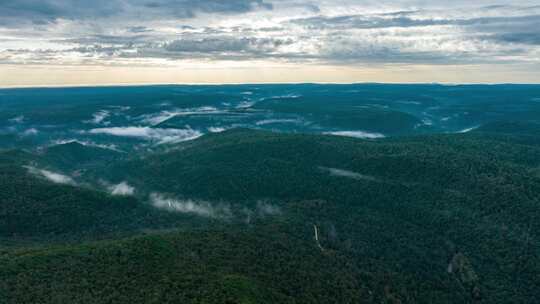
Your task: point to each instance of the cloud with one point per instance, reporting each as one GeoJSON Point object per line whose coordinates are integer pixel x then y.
{"type": "Point", "coordinates": [161, 136]}
{"type": "Point", "coordinates": [200, 208]}
{"type": "Point", "coordinates": [156, 119]}
{"type": "Point", "coordinates": [277, 121]}
{"type": "Point", "coordinates": [348, 174]}
{"type": "Point", "coordinates": [18, 119]}
{"type": "Point", "coordinates": [265, 208]}
{"type": "Point", "coordinates": [357, 134]}
{"type": "Point", "coordinates": [467, 130]}
{"type": "Point", "coordinates": [122, 189]}
{"type": "Point", "coordinates": [227, 45]}
{"type": "Point", "coordinates": [163, 33]}
{"type": "Point", "coordinates": [88, 143]}
{"type": "Point", "coordinates": [188, 8]}
{"type": "Point", "coordinates": [531, 38]}
{"type": "Point", "coordinates": [54, 177]}
{"type": "Point", "coordinates": [30, 132]}
{"type": "Point", "coordinates": [99, 117]}
{"type": "Point", "coordinates": [41, 12]}
{"type": "Point", "coordinates": [216, 129]}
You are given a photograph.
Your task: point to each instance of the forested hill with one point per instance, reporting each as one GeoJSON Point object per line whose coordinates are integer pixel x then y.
{"type": "Point", "coordinates": [247, 216]}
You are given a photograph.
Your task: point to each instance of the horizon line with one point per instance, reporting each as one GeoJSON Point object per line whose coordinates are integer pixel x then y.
{"type": "Point", "coordinates": [112, 85]}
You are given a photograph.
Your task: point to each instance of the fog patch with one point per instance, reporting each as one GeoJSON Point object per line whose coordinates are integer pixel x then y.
{"type": "Point", "coordinates": [277, 121]}
{"type": "Point", "coordinates": [54, 177]}
{"type": "Point", "coordinates": [18, 119]}
{"type": "Point", "coordinates": [286, 96]}
{"type": "Point", "coordinates": [121, 108]}
{"type": "Point", "coordinates": [262, 210]}
{"type": "Point", "coordinates": [156, 119]}
{"type": "Point", "coordinates": [409, 102]}
{"type": "Point", "coordinates": [87, 143]}
{"type": "Point", "coordinates": [161, 136]}
{"type": "Point", "coordinates": [122, 189]}
{"type": "Point", "coordinates": [216, 129]}
{"type": "Point", "coordinates": [188, 206]}
{"type": "Point", "coordinates": [467, 130]}
{"type": "Point", "coordinates": [348, 174]}
{"type": "Point", "coordinates": [265, 208]}
{"type": "Point", "coordinates": [427, 122]}
{"type": "Point", "coordinates": [357, 134]}
{"type": "Point", "coordinates": [99, 117]}
{"type": "Point", "coordinates": [30, 132]}
{"type": "Point", "coordinates": [245, 105]}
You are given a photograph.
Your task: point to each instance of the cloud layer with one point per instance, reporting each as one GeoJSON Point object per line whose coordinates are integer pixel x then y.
{"type": "Point", "coordinates": [266, 33]}
{"type": "Point", "coordinates": [357, 134]}
{"type": "Point", "coordinates": [122, 189]}
{"type": "Point", "coordinates": [161, 136]}
{"type": "Point", "coordinates": [54, 177]}
{"type": "Point", "coordinates": [200, 208]}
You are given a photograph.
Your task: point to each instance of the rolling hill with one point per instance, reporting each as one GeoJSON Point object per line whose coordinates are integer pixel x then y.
{"type": "Point", "coordinates": [298, 218]}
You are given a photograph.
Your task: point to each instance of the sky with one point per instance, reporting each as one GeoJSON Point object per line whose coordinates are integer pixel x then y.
{"type": "Point", "coordinates": [80, 42]}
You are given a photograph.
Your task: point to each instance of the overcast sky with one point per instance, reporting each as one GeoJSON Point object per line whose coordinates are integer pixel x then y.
{"type": "Point", "coordinates": [60, 42]}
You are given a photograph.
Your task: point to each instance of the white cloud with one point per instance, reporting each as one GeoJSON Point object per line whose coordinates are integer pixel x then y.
{"type": "Point", "coordinates": [245, 105]}
{"type": "Point", "coordinates": [348, 174]}
{"type": "Point", "coordinates": [162, 136]}
{"type": "Point", "coordinates": [122, 189]}
{"type": "Point", "coordinates": [357, 34]}
{"type": "Point", "coordinates": [156, 119]}
{"type": "Point", "coordinates": [265, 208]}
{"type": "Point", "coordinates": [30, 132]}
{"type": "Point", "coordinates": [54, 177]}
{"type": "Point", "coordinates": [99, 117]}
{"type": "Point", "coordinates": [18, 119]}
{"type": "Point", "coordinates": [467, 130]}
{"type": "Point", "coordinates": [112, 147]}
{"type": "Point", "coordinates": [357, 134]}
{"type": "Point", "coordinates": [200, 208]}
{"type": "Point", "coordinates": [277, 121]}
{"type": "Point", "coordinates": [216, 129]}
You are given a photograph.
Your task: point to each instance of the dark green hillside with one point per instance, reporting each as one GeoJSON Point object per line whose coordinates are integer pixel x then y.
{"type": "Point", "coordinates": [75, 155]}
{"type": "Point", "coordinates": [11, 141]}
{"type": "Point", "coordinates": [512, 127]}
{"type": "Point", "coordinates": [262, 265]}
{"type": "Point", "coordinates": [32, 208]}
{"type": "Point", "coordinates": [434, 219]}
{"type": "Point", "coordinates": [523, 133]}
{"type": "Point", "coordinates": [410, 207]}
{"type": "Point", "coordinates": [240, 164]}
{"type": "Point", "coordinates": [343, 113]}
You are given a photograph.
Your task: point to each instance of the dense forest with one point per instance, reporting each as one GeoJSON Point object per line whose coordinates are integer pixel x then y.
{"type": "Point", "coordinates": [310, 219]}
{"type": "Point", "coordinates": [364, 193]}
